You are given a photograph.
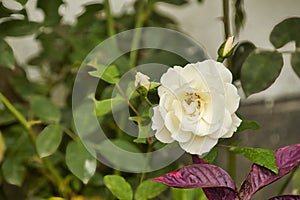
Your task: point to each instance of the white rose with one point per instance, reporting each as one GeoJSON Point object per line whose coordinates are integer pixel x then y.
{"type": "Point", "coordinates": [197, 106]}
{"type": "Point", "coordinates": [142, 80]}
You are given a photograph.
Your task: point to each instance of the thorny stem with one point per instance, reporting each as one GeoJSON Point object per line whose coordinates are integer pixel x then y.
{"type": "Point", "coordinates": [54, 173]}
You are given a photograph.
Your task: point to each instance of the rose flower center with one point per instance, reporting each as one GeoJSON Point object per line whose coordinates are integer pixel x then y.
{"type": "Point", "coordinates": [192, 103]}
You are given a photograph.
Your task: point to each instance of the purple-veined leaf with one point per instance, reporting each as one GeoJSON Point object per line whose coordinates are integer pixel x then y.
{"type": "Point", "coordinates": [216, 183]}
{"type": "Point", "coordinates": [287, 158]}
{"type": "Point", "coordinates": [286, 197]}
{"type": "Point", "coordinates": [197, 160]}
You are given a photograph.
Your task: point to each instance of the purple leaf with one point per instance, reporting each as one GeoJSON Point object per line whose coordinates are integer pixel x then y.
{"type": "Point", "coordinates": [287, 158]}
{"type": "Point", "coordinates": [286, 197]}
{"type": "Point", "coordinates": [215, 182]}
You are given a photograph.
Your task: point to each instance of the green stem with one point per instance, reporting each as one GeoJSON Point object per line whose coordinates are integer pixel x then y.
{"type": "Point", "coordinates": [142, 16]}
{"type": "Point", "coordinates": [226, 18]}
{"type": "Point", "coordinates": [232, 164]}
{"type": "Point", "coordinates": [110, 19]}
{"type": "Point", "coordinates": [58, 179]}
{"type": "Point", "coordinates": [286, 182]}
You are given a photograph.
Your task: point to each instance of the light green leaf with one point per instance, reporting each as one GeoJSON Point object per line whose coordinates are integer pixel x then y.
{"type": "Point", "coordinates": [188, 194]}
{"type": "Point", "coordinates": [260, 70]}
{"type": "Point", "coordinates": [109, 74]}
{"type": "Point", "coordinates": [80, 162]}
{"type": "Point", "coordinates": [286, 31]}
{"type": "Point", "coordinates": [118, 186]}
{"type": "Point", "coordinates": [49, 140]}
{"type": "Point", "coordinates": [2, 147]}
{"type": "Point", "coordinates": [13, 171]}
{"type": "Point", "coordinates": [50, 8]}
{"type": "Point", "coordinates": [45, 109]}
{"type": "Point", "coordinates": [262, 157]}
{"type": "Point", "coordinates": [6, 55]}
{"type": "Point", "coordinates": [18, 28]}
{"type": "Point", "coordinates": [295, 62]}
{"type": "Point", "coordinates": [149, 189]}
{"type": "Point", "coordinates": [104, 107]}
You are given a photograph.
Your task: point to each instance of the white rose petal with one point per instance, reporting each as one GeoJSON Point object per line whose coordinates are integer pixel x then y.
{"type": "Point", "coordinates": [142, 80]}
{"type": "Point", "coordinates": [197, 106]}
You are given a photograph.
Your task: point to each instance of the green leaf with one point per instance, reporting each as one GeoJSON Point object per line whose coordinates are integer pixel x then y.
{"type": "Point", "coordinates": [80, 162]}
{"type": "Point", "coordinates": [23, 2]}
{"type": "Point", "coordinates": [4, 12]}
{"type": "Point", "coordinates": [13, 171]}
{"type": "Point", "coordinates": [50, 8]}
{"type": "Point", "coordinates": [149, 189]}
{"type": "Point", "coordinates": [6, 55]}
{"type": "Point", "coordinates": [188, 194]}
{"type": "Point", "coordinates": [105, 106]}
{"type": "Point", "coordinates": [295, 62]}
{"type": "Point", "coordinates": [109, 74]}
{"type": "Point", "coordinates": [49, 140]}
{"type": "Point", "coordinates": [118, 186]}
{"type": "Point", "coordinates": [242, 51]}
{"type": "Point", "coordinates": [211, 156]}
{"type": "Point", "coordinates": [117, 154]}
{"type": "Point", "coordinates": [175, 2]}
{"type": "Point", "coordinates": [45, 109]}
{"type": "Point", "coordinates": [239, 16]}
{"type": "Point", "coordinates": [247, 124]}
{"type": "Point", "coordinates": [18, 28]}
{"type": "Point", "coordinates": [286, 31]}
{"type": "Point", "coordinates": [2, 147]}
{"type": "Point", "coordinates": [260, 70]}
{"type": "Point", "coordinates": [262, 157]}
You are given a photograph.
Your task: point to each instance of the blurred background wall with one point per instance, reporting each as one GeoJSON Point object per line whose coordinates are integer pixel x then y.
{"type": "Point", "coordinates": [203, 23]}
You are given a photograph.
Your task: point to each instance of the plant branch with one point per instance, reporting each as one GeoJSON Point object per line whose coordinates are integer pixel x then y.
{"type": "Point", "coordinates": [142, 16]}
{"type": "Point", "coordinates": [226, 18]}
{"type": "Point", "coordinates": [59, 180]}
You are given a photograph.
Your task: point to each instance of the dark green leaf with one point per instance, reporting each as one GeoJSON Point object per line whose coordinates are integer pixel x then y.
{"type": "Point", "coordinates": [149, 189]}
{"type": "Point", "coordinates": [13, 171]}
{"type": "Point", "coordinates": [211, 156]}
{"type": "Point", "coordinates": [260, 70]}
{"type": "Point", "coordinates": [80, 162]}
{"type": "Point", "coordinates": [48, 140]}
{"type": "Point", "coordinates": [295, 62]}
{"type": "Point", "coordinates": [87, 19]}
{"type": "Point", "coordinates": [18, 28]}
{"type": "Point", "coordinates": [4, 12]}
{"type": "Point", "coordinates": [6, 55]}
{"type": "Point", "coordinates": [25, 89]}
{"type": "Point", "coordinates": [286, 31]}
{"type": "Point", "coordinates": [240, 15]}
{"type": "Point", "coordinates": [241, 53]}
{"type": "Point", "coordinates": [50, 8]}
{"type": "Point", "coordinates": [23, 2]}
{"type": "Point", "coordinates": [262, 157]}
{"type": "Point", "coordinates": [175, 2]}
{"type": "Point", "coordinates": [118, 186]}
{"type": "Point", "coordinates": [45, 109]}
{"type": "Point", "coordinates": [247, 125]}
